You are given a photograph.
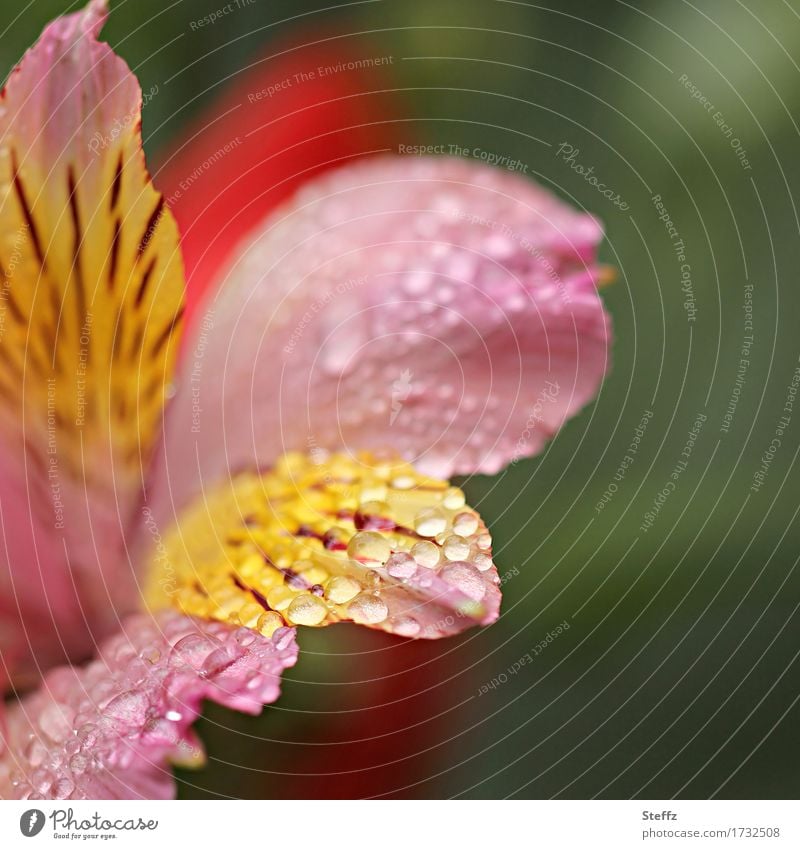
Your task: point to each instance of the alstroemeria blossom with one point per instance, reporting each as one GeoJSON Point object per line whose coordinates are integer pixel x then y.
{"type": "Point", "coordinates": [397, 321]}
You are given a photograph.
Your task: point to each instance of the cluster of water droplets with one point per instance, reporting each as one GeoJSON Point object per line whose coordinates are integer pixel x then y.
{"type": "Point", "coordinates": [111, 729]}
{"type": "Point", "coordinates": [334, 537]}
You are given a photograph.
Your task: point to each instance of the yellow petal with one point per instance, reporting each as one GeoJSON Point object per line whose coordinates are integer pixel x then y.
{"type": "Point", "coordinates": [328, 538]}
{"type": "Point", "coordinates": [91, 287]}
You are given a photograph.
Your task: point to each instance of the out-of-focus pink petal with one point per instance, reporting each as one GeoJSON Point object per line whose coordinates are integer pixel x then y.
{"type": "Point", "coordinates": [433, 305]}
{"type": "Point", "coordinates": [90, 286]}
{"type": "Point", "coordinates": [111, 729]}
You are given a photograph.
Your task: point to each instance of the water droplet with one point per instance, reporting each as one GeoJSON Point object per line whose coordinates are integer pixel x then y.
{"type": "Point", "coordinates": [283, 638]}
{"type": "Point", "coordinates": [217, 662]}
{"type": "Point", "coordinates": [456, 548]}
{"type": "Point", "coordinates": [369, 548]}
{"type": "Point", "coordinates": [42, 781]}
{"type": "Point", "coordinates": [269, 622]}
{"type": "Point", "coordinates": [79, 764]}
{"type": "Point", "coordinates": [466, 578]}
{"type": "Point", "coordinates": [129, 707]}
{"type": "Point", "coordinates": [426, 554]}
{"type": "Point", "coordinates": [403, 482]}
{"type": "Point", "coordinates": [151, 655]}
{"type": "Point", "coordinates": [36, 752]}
{"type": "Point", "coordinates": [192, 650]}
{"type": "Point", "coordinates": [87, 734]}
{"type": "Point", "coordinates": [453, 498]}
{"type": "Point", "coordinates": [372, 493]}
{"type": "Point", "coordinates": [429, 522]}
{"type": "Point", "coordinates": [401, 565]}
{"type": "Point", "coordinates": [465, 524]}
{"type": "Point", "coordinates": [368, 609]}
{"type": "Point", "coordinates": [405, 626]}
{"type": "Point", "coordinates": [62, 789]}
{"type": "Point", "coordinates": [307, 609]}
{"type": "Point", "coordinates": [482, 562]}
{"type": "Point", "coordinates": [342, 589]}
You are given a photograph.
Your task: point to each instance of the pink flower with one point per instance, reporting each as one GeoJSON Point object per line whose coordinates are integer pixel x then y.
{"type": "Point", "coordinates": [397, 321]}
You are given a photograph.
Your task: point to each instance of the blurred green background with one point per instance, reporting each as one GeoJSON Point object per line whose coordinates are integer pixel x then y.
{"type": "Point", "coordinates": [678, 675]}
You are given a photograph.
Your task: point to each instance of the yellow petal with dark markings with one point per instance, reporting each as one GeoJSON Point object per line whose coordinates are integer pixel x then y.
{"type": "Point", "coordinates": [328, 538]}
{"type": "Point", "coordinates": [91, 286]}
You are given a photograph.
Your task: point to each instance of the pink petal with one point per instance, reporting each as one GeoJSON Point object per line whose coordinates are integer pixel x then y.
{"type": "Point", "coordinates": [91, 282]}
{"type": "Point", "coordinates": [269, 131]}
{"type": "Point", "coordinates": [109, 730]}
{"type": "Point", "coordinates": [432, 305]}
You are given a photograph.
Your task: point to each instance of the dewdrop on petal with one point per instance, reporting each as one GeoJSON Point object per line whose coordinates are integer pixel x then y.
{"type": "Point", "coordinates": [456, 548]}
{"type": "Point", "coordinates": [369, 548]}
{"type": "Point", "coordinates": [368, 609]}
{"type": "Point", "coordinates": [482, 562]}
{"type": "Point", "coordinates": [465, 524]}
{"type": "Point", "coordinates": [454, 498]}
{"type": "Point", "coordinates": [307, 609]}
{"type": "Point", "coordinates": [342, 589]}
{"type": "Point", "coordinates": [426, 554]}
{"type": "Point", "coordinates": [269, 622]}
{"type": "Point", "coordinates": [429, 522]}
{"type": "Point", "coordinates": [465, 577]}
{"type": "Point", "coordinates": [406, 626]}
{"type": "Point", "coordinates": [401, 565]}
